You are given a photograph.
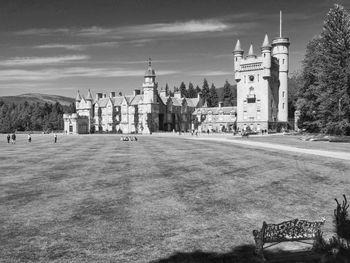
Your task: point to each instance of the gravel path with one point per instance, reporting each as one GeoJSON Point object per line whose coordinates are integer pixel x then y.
{"type": "Point", "coordinates": [325, 153]}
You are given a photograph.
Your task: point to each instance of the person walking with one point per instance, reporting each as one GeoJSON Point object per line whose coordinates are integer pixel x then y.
{"type": "Point", "coordinates": [55, 137]}
{"type": "Point", "coordinates": [8, 138]}
{"type": "Point", "coordinates": [29, 138]}
{"type": "Point", "coordinates": [13, 138]}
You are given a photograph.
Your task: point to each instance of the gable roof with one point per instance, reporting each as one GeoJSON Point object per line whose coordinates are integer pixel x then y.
{"type": "Point", "coordinates": [136, 100]}
{"type": "Point", "coordinates": [176, 101]}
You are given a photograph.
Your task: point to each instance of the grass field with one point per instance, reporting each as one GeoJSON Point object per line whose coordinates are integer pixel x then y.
{"type": "Point", "coordinates": [97, 199]}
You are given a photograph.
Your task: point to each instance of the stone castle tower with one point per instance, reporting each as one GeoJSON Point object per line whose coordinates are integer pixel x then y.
{"type": "Point", "coordinates": [262, 84]}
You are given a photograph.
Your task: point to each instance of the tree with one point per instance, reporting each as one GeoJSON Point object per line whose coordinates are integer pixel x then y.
{"type": "Point", "coordinates": [228, 98]}
{"type": "Point", "coordinates": [198, 90]}
{"type": "Point", "coordinates": [183, 89]}
{"type": "Point", "coordinates": [191, 92]}
{"type": "Point", "coordinates": [213, 97]}
{"type": "Point", "coordinates": [205, 91]}
{"type": "Point", "coordinates": [167, 89]}
{"type": "Point", "coordinates": [324, 96]}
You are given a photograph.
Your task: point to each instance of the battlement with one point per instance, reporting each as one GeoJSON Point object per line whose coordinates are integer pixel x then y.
{"type": "Point", "coordinates": [251, 66]}
{"type": "Point", "coordinates": [280, 41]}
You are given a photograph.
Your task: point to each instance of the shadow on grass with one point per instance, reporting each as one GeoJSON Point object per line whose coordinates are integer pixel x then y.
{"type": "Point", "coordinates": [243, 254]}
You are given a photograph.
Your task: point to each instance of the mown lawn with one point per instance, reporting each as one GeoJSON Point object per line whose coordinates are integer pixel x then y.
{"type": "Point", "coordinates": [97, 199]}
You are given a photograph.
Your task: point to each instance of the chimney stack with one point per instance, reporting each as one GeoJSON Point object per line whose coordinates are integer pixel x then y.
{"type": "Point", "coordinates": [112, 94]}
{"type": "Point", "coordinates": [137, 92]}
{"type": "Point", "coordinates": [98, 96]}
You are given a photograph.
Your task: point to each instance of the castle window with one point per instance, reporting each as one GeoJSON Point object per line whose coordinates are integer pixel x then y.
{"type": "Point", "coordinates": [283, 61]}
{"type": "Point", "coordinates": [264, 55]}
{"type": "Point", "coordinates": [282, 105]}
{"type": "Point", "coordinates": [283, 94]}
{"type": "Point", "coordinates": [236, 59]}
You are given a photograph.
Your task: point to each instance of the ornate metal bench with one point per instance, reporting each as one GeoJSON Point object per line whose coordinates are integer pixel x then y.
{"type": "Point", "coordinates": [293, 230]}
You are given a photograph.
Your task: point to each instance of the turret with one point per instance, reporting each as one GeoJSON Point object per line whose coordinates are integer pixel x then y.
{"type": "Point", "coordinates": [238, 55]}
{"type": "Point", "coordinates": [266, 57]}
{"type": "Point", "coordinates": [251, 52]}
{"type": "Point", "coordinates": [77, 100]}
{"type": "Point", "coordinates": [89, 100]}
{"type": "Point", "coordinates": [280, 50]}
{"type": "Point", "coordinates": [149, 85]}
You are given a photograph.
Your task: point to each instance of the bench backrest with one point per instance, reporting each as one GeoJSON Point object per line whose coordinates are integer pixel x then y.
{"type": "Point", "coordinates": [292, 230]}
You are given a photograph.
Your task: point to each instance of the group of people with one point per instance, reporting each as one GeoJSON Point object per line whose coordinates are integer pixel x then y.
{"type": "Point", "coordinates": [128, 138]}
{"type": "Point", "coordinates": [12, 138]}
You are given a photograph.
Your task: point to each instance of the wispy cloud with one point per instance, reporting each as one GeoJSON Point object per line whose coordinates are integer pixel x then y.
{"type": "Point", "coordinates": [79, 46]}
{"type": "Point", "coordinates": [148, 30]}
{"type": "Point", "coordinates": [209, 73]}
{"type": "Point", "coordinates": [193, 26]}
{"type": "Point", "coordinates": [44, 31]}
{"type": "Point", "coordinates": [71, 72]}
{"type": "Point", "coordinates": [30, 61]}
{"type": "Point", "coordinates": [22, 85]}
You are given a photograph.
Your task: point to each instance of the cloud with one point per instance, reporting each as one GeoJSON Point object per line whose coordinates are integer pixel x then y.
{"type": "Point", "coordinates": [72, 72]}
{"type": "Point", "coordinates": [79, 46]}
{"type": "Point", "coordinates": [193, 26]}
{"type": "Point", "coordinates": [210, 73]}
{"type": "Point", "coordinates": [22, 85]}
{"type": "Point", "coordinates": [148, 30]}
{"type": "Point", "coordinates": [44, 31]}
{"type": "Point", "coordinates": [30, 61]}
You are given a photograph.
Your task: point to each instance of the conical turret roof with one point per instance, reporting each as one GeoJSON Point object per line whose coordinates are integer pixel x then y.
{"type": "Point", "coordinates": [89, 96]}
{"type": "Point", "coordinates": [238, 46]}
{"type": "Point", "coordinates": [266, 42]}
{"type": "Point", "coordinates": [251, 51]}
{"type": "Point", "coordinates": [78, 97]}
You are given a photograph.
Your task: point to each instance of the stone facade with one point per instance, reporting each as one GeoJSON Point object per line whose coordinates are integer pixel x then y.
{"type": "Point", "coordinates": [145, 111]}
{"type": "Point", "coordinates": [262, 85]}
{"type": "Point", "coordinates": [215, 119]}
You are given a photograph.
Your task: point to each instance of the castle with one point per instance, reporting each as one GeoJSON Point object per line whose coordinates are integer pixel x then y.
{"type": "Point", "coordinates": [262, 85]}
{"type": "Point", "coordinates": [262, 100]}
{"type": "Point", "coordinates": [146, 111]}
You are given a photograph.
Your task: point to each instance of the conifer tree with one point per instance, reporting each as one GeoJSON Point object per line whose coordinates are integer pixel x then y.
{"type": "Point", "coordinates": [205, 91]}
{"type": "Point", "coordinates": [213, 96]}
{"type": "Point", "coordinates": [183, 89]}
{"type": "Point", "coordinates": [324, 95]}
{"type": "Point", "coordinates": [191, 92]}
{"type": "Point", "coordinates": [198, 90]}
{"type": "Point", "coordinates": [228, 97]}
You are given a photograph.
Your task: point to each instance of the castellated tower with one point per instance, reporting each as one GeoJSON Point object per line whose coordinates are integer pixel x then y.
{"type": "Point", "coordinates": [262, 85]}
{"type": "Point", "coordinates": [280, 51]}
{"type": "Point", "coordinates": [149, 85]}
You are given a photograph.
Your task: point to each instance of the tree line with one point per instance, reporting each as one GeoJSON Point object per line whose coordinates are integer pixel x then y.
{"type": "Point", "coordinates": [209, 94]}
{"type": "Point", "coordinates": [32, 117]}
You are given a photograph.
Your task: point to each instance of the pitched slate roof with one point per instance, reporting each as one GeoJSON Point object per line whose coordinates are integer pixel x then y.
{"type": "Point", "coordinates": [102, 102]}
{"type": "Point", "coordinates": [192, 102]}
{"type": "Point", "coordinates": [136, 100]}
{"type": "Point", "coordinates": [164, 99]}
{"type": "Point", "coordinates": [117, 101]}
{"type": "Point", "coordinates": [176, 101]}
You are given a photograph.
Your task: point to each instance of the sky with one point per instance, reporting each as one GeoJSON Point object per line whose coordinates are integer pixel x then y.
{"type": "Point", "coordinates": [61, 46]}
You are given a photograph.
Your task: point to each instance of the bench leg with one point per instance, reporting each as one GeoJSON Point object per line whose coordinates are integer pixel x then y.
{"type": "Point", "coordinates": [259, 249]}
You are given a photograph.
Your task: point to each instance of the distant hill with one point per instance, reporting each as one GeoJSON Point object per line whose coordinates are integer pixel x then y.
{"type": "Point", "coordinates": [37, 97]}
